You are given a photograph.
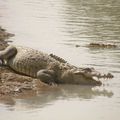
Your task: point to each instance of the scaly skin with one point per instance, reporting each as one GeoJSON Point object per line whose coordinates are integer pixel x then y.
{"type": "Point", "coordinates": [48, 68]}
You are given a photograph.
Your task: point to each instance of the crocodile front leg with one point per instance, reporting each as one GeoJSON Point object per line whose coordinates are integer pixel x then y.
{"type": "Point", "coordinates": [46, 76]}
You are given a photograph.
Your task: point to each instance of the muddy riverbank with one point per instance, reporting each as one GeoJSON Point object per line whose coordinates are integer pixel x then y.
{"type": "Point", "coordinates": [12, 84]}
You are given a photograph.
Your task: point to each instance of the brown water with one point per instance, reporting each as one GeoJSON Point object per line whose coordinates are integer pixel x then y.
{"type": "Point", "coordinates": [56, 26]}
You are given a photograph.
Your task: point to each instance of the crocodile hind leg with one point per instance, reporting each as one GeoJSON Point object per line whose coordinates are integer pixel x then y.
{"type": "Point", "coordinates": [2, 62]}
{"type": "Point", "coordinates": [46, 76]}
{"type": "Point", "coordinates": [6, 54]}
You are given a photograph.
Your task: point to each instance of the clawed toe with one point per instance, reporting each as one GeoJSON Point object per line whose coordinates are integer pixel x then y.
{"type": "Point", "coordinates": [2, 63]}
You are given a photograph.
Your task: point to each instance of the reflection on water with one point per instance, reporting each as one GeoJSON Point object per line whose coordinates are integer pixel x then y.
{"type": "Point", "coordinates": [62, 92]}
{"type": "Point", "coordinates": [65, 92]}
{"type": "Point", "coordinates": [57, 26]}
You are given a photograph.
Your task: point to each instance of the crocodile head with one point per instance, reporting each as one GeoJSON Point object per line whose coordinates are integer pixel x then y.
{"type": "Point", "coordinates": [87, 76]}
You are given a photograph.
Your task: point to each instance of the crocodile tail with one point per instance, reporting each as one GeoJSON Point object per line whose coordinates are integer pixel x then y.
{"type": "Point", "coordinates": [58, 58]}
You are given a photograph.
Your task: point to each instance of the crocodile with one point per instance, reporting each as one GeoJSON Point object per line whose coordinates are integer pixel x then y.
{"type": "Point", "coordinates": [99, 45]}
{"type": "Point", "coordinates": [48, 68]}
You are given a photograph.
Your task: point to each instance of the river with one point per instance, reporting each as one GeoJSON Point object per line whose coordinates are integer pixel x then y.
{"type": "Point", "coordinates": [57, 26]}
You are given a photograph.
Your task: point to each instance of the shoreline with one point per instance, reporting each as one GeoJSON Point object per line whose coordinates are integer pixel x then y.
{"type": "Point", "coordinates": [15, 85]}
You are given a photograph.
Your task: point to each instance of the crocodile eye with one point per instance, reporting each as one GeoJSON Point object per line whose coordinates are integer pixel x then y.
{"type": "Point", "coordinates": [64, 68]}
